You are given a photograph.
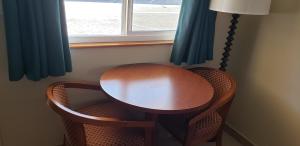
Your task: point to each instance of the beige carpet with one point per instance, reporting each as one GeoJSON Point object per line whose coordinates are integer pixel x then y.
{"type": "Point", "coordinates": [166, 139]}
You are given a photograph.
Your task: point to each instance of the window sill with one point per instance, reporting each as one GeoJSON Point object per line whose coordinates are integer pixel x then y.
{"type": "Point", "coordinates": [119, 44]}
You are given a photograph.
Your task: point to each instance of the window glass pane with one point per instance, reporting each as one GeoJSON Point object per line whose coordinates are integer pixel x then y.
{"type": "Point", "coordinates": [93, 17]}
{"type": "Point", "coordinates": [155, 15]}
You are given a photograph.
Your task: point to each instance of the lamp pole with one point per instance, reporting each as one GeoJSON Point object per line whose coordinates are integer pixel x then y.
{"type": "Point", "coordinates": [228, 44]}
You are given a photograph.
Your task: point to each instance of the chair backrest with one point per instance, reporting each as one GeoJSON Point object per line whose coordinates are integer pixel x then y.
{"type": "Point", "coordinates": [225, 87]}
{"type": "Point", "coordinates": [73, 121]}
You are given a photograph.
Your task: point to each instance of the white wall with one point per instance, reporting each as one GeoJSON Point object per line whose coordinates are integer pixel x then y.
{"type": "Point", "coordinates": [266, 62]}
{"type": "Point", "coordinates": [25, 118]}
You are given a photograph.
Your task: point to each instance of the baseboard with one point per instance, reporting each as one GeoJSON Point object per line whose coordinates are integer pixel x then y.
{"type": "Point", "coordinates": [238, 135]}
{"type": "Point", "coordinates": [1, 139]}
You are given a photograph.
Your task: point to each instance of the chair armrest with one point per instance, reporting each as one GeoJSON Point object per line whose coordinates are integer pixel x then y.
{"type": "Point", "coordinates": [88, 119]}
{"type": "Point", "coordinates": [81, 85]}
{"type": "Point", "coordinates": [98, 121]}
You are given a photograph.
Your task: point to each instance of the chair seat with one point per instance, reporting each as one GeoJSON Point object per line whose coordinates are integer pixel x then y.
{"type": "Point", "coordinates": [206, 128]}
{"type": "Point", "coordinates": [112, 136]}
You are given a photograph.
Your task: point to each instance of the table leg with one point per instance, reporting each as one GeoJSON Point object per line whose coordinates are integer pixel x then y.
{"type": "Point", "coordinates": [153, 117]}
{"type": "Point", "coordinates": [152, 132]}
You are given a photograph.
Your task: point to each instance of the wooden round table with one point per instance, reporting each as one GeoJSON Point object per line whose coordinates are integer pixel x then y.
{"type": "Point", "coordinates": [157, 89]}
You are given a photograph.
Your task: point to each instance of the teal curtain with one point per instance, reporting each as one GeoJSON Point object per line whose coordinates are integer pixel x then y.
{"type": "Point", "coordinates": [195, 33]}
{"type": "Point", "coordinates": [37, 40]}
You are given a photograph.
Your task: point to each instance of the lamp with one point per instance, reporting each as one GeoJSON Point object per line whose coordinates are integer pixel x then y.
{"type": "Point", "coordinates": [237, 7]}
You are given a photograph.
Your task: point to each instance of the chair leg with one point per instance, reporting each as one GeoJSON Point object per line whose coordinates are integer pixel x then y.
{"type": "Point", "coordinates": [219, 140]}
{"type": "Point", "coordinates": [66, 143]}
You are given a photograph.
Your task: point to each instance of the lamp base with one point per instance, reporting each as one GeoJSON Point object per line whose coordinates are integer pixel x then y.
{"type": "Point", "coordinates": [229, 41]}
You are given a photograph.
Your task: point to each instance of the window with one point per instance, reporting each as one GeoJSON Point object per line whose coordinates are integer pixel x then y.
{"type": "Point", "coordinates": [121, 20]}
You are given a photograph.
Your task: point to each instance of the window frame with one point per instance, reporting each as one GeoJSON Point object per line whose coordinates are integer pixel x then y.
{"type": "Point", "coordinates": [127, 34]}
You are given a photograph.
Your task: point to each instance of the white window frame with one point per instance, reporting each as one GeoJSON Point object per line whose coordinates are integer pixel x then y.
{"type": "Point", "coordinates": [127, 34]}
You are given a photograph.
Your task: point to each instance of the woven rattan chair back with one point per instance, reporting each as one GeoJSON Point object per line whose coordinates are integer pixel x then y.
{"type": "Point", "coordinates": [74, 122]}
{"type": "Point", "coordinates": [224, 85]}
{"type": "Point", "coordinates": [224, 90]}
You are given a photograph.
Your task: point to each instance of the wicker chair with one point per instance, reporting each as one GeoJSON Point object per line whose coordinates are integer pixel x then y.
{"type": "Point", "coordinates": [101, 124]}
{"type": "Point", "coordinates": [207, 125]}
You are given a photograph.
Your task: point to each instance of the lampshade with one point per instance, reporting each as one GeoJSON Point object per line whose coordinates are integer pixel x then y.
{"type": "Point", "coordinates": [251, 7]}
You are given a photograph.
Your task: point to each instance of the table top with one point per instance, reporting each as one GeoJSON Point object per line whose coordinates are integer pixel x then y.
{"type": "Point", "coordinates": [155, 88]}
